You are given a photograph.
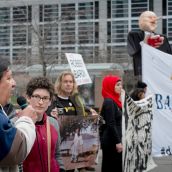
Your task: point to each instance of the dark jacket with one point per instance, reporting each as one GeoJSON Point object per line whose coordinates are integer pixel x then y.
{"type": "Point", "coordinates": [134, 48]}
{"type": "Point", "coordinates": [111, 131]}
{"type": "Point", "coordinates": [77, 102]}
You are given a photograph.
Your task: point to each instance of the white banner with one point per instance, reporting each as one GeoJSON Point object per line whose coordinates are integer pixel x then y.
{"type": "Point", "coordinates": [78, 68]}
{"type": "Point", "coordinates": [137, 135]}
{"type": "Point", "coordinates": [157, 73]}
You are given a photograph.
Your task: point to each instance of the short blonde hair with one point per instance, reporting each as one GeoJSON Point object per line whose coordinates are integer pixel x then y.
{"type": "Point", "coordinates": [58, 83]}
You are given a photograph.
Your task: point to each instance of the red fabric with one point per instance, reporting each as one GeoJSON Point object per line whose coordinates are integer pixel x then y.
{"type": "Point", "coordinates": [37, 160]}
{"type": "Point", "coordinates": [108, 86]}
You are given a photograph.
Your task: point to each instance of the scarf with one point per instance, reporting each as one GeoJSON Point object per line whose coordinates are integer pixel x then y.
{"type": "Point", "coordinates": [108, 89]}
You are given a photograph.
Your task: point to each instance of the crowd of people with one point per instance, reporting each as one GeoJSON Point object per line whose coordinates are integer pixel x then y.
{"type": "Point", "coordinates": [34, 136]}
{"type": "Point", "coordinates": [32, 140]}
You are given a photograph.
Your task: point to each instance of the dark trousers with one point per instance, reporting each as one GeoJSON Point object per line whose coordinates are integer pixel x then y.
{"type": "Point", "coordinates": [111, 160]}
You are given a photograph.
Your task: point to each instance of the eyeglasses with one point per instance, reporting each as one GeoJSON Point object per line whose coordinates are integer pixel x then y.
{"type": "Point", "coordinates": [39, 98]}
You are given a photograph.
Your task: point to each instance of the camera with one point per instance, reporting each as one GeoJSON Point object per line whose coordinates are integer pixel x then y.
{"type": "Point", "coordinates": [60, 111]}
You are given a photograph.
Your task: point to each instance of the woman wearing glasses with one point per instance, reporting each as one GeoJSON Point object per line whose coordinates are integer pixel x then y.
{"type": "Point", "coordinates": [44, 156]}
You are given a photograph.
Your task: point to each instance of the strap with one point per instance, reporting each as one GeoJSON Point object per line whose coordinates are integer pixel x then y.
{"type": "Point", "coordinates": [48, 144]}
{"type": "Point", "coordinates": [80, 101]}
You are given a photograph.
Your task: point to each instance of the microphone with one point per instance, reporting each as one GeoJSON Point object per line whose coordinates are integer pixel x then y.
{"type": "Point", "coordinates": [22, 102]}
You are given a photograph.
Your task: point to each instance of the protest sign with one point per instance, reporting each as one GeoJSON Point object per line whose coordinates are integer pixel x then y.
{"type": "Point", "coordinates": [78, 68]}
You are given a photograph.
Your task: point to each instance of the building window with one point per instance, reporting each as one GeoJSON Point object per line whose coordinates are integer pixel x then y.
{"type": "Point", "coordinates": [22, 14]}
{"type": "Point", "coordinates": [19, 35]}
{"type": "Point", "coordinates": [137, 7]}
{"type": "Point", "coordinates": [96, 32]}
{"type": "Point", "coordinates": [151, 5]}
{"type": "Point", "coordinates": [109, 32]}
{"type": "Point", "coordinates": [86, 32]}
{"type": "Point", "coordinates": [4, 36]}
{"type": "Point", "coordinates": [5, 53]}
{"type": "Point", "coordinates": [49, 33]}
{"type": "Point", "coordinates": [168, 21]}
{"type": "Point", "coordinates": [164, 26]}
{"type": "Point", "coordinates": [119, 31]}
{"type": "Point", "coordinates": [4, 15]}
{"type": "Point", "coordinates": [118, 53]}
{"type": "Point", "coordinates": [169, 7]}
{"type": "Point", "coordinates": [85, 10]}
{"type": "Point", "coordinates": [169, 31]}
{"type": "Point", "coordinates": [19, 56]}
{"type": "Point", "coordinates": [134, 25]}
{"type": "Point", "coordinates": [119, 8]}
{"type": "Point", "coordinates": [96, 9]}
{"type": "Point", "coordinates": [29, 13]}
{"type": "Point", "coordinates": [49, 13]}
{"type": "Point", "coordinates": [108, 9]}
{"type": "Point", "coordinates": [67, 12]}
{"type": "Point", "coordinates": [164, 8]}
{"type": "Point", "coordinates": [68, 33]}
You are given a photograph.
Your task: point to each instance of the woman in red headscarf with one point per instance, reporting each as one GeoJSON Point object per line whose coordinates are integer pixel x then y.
{"type": "Point", "coordinates": [111, 131]}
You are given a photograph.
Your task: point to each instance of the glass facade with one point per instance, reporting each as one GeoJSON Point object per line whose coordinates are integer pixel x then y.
{"type": "Point", "coordinates": [4, 36]}
{"type": "Point", "coordinates": [119, 8]}
{"type": "Point", "coordinates": [97, 29]}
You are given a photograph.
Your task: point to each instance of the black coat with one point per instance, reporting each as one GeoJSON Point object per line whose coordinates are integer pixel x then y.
{"type": "Point", "coordinates": [134, 49]}
{"type": "Point", "coordinates": [111, 131]}
{"type": "Point", "coordinates": [81, 109]}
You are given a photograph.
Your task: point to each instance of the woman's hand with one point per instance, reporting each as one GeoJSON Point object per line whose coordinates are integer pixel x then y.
{"type": "Point", "coordinates": [119, 147]}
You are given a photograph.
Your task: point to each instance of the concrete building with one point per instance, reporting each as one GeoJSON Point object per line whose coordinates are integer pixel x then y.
{"type": "Point", "coordinates": [42, 31]}
{"type": "Point", "coordinates": [95, 28]}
